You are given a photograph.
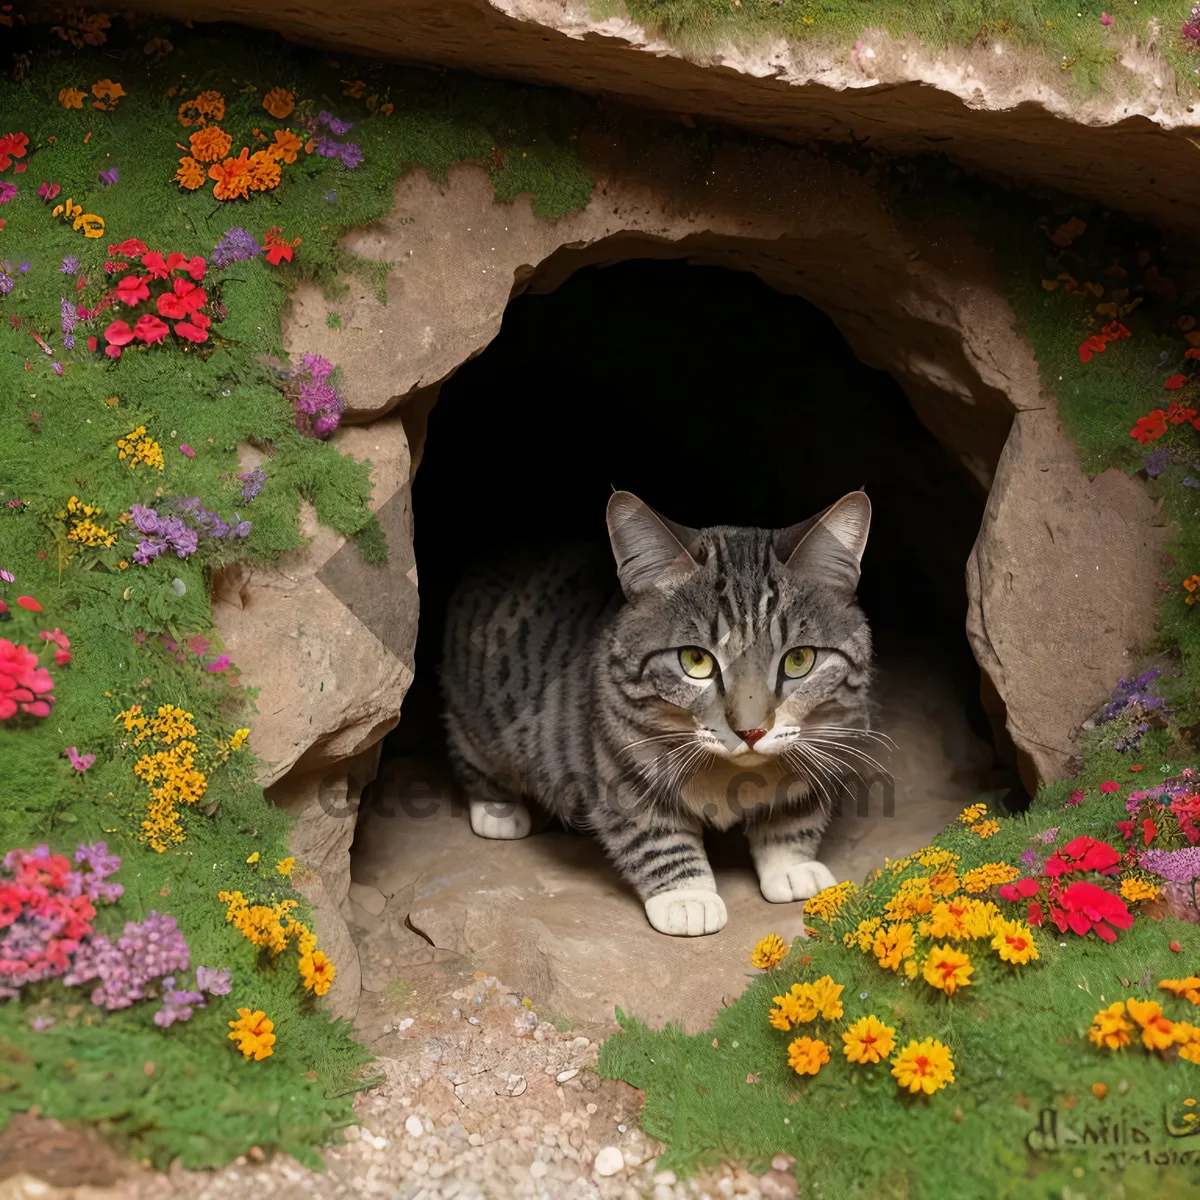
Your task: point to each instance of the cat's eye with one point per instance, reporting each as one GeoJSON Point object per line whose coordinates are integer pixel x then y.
{"type": "Point", "coordinates": [798, 662]}
{"type": "Point", "coordinates": [696, 663]}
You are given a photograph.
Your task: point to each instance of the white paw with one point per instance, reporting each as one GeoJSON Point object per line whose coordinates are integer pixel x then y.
{"type": "Point", "coordinates": [799, 882]}
{"type": "Point", "coordinates": [686, 912]}
{"type": "Point", "coordinates": [500, 819]}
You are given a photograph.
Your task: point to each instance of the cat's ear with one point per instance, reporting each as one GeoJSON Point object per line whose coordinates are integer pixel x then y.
{"type": "Point", "coordinates": [650, 550]}
{"type": "Point", "coordinates": [831, 544]}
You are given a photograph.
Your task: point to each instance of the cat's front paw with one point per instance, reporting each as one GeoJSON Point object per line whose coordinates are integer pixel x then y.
{"type": "Point", "coordinates": [500, 819]}
{"type": "Point", "coordinates": [686, 912]}
{"type": "Point", "coordinates": [798, 882]}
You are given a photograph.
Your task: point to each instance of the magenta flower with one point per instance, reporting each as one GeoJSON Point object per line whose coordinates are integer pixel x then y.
{"type": "Point", "coordinates": [7, 192]}
{"type": "Point", "coordinates": [1106, 18]}
{"type": "Point", "coordinates": [80, 762]}
{"type": "Point", "coordinates": [49, 190]}
{"type": "Point", "coordinates": [187, 451]}
{"type": "Point", "coordinates": [220, 663]}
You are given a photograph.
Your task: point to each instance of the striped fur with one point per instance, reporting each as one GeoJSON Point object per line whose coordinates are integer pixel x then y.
{"type": "Point", "coordinates": [562, 691]}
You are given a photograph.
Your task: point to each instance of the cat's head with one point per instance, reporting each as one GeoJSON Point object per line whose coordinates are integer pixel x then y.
{"type": "Point", "coordinates": [747, 642]}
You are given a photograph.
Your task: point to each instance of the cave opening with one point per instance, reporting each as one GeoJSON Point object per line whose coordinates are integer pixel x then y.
{"type": "Point", "coordinates": [717, 400]}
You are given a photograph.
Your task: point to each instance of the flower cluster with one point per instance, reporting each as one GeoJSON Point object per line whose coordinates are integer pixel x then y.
{"type": "Point", "coordinates": [12, 145]}
{"type": "Point", "coordinates": [1152, 426]}
{"type": "Point", "coordinates": [1167, 815]}
{"type": "Point", "coordinates": [181, 531]}
{"type": "Point", "coordinates": [177, 297]}
{"type": "Point", "coordinates": [828, 903]}
{"type": "Point", "coordinates": [273, 928]}
{"type": "Point", "coordinates": [769, 952]}
{"type": "Point", "coordinates": [46, 910]}
{"type": "Point", "coordinates": [168, 767]}
{"type": "Point", "coordinates": [1135, 709]}
{"type": "Point", "coordinates": [140, 448]}
{"type": "Point", "coordinates": [316, 402]}
{"type": "Point", "coordinates": [25, 687]}
{"type": "Point", "coordinates": [236, 245]}
{"type": "Point", "coordinates": [253, 1033]}
{"type": "Point", "coordinates": [1114, 1027]}
{"type": "Point", "coordinates": [989, 875]}
{"type": "Point", "coordinates": [205, 107]}
{"type": "Point", "coordinates": [90, 225]}
{"type": "Point", "coordinates": [326, 124]}
{"type": "Point", "coordinates": [1112, 332]}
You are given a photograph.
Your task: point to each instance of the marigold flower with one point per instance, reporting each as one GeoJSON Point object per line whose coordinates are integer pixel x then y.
{"type": "Point", "coordinates": [826, 995]}
{"type": "Point", "coordinates": [864, 935]}
{"type": "Point", "coordinates": [769, 952]}
{"type": "Point", "coordinates": [943, 883]}
{"type": "Point", "coordinates": [105, 89]}
{"type": "Point", "coordinates": [1188, 989]}
{"type": "Point", "coordinates": [279, 102]}
{"type": "Point", "coordinates": [961, 918]}
{"type": "Point", "coordinates": [914, 897]}
{"type": "Point", "coordinates": [239, 739]}
{"type": "Point", "coordinates": [948, 969]}
{"type": "Point", "coordinates": [828, 902]}
{"type": "Point", "coordinates": [797, 1006]}
{"type": "Point", "coordinates": [1013, 941]}
{"type": "Point", "coordinates": [287, 146]}
{"type": "Point", "coordinates": [806, 1055]}
{"type": "Point", "coordinates": [1157, 1031]}
{"type": "Point", "coordinates": [933, 858]}
{"type": "Point", "coordinates": [264, 171]}
{"type": "Point", "coordinates": [893, 944]}
{"type": "Point", "coordinates": [191, 174]}
{"type": "Point", "coordinates": [924, 1066]}
{"type": "Point", "coordinates": [989, 875]}
{"type": "Point", "coordinates": [210, 144]}
{"type": "Point", "coordinates": [986, 829]}
{"type": "Point", "coordinates": [207, 106]}
{"type": "Point", "coordinates": [1109, 1028]}
{"type": "Point", "coordinates": [70, 97]}
{"type": "Point", "coordinates": [284, 865]}
{"type": "Point", "coordinates": [972, 813]}
{"type": "Point", "coordinates": [232, 176]}
{"type": "Point", "coordinates": [1137, 890]}
{"type": "Point", "coordinates": [1187, 1037]}
{"type": "Point", "coordinates": [317, 972]}
{"type": "Point", "coordinates": [868, 1040]}
{"type": "Point", "coordinates": [252, 1032]}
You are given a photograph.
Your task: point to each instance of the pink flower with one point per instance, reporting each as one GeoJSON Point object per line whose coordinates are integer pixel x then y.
{"type": "Point", "coordinates": [80, 762]}
{"type": "Point", "coordinates": [24, 686]}
{"type": "Point", "coordinates": [1076, 797]}
{"type": "Point", "coordinates": [221, 663]}
{"type": "Point", "coordinates": [150, 329]}
{"type": "Point", "coordinates": [186, 450]}
{"type": "Point", "coordinates": [1109, 786]}
{"type": "Point", "coordinates": [1106, 18]}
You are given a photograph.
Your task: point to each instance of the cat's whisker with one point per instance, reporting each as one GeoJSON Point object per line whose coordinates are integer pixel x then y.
{"type": "Point", "coordinates": [850, 730]}
{"type": "Point", "coordinates": [828, 757]}
{"type": "Point", "coordinates": [796, 756]}
{"type": "Point", "coordinates": [658, 737]}
{"type": "Point", "coordinates": [862, 755]}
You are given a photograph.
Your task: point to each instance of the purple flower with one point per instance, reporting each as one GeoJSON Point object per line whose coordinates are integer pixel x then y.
{"type": "Point", "coordinates": [237, 245]}
{"type": "Point", "coordinates": [350, 155]}
{"type": "Point", "coordinates": [333, 124]}
{"type": "Point", "coordinates": [8, 577]}
{"type": "Point", "coordinates": [40, 1023]}
{"type": "Point", "coordinates": [1179, 866]}
{"type": "Point", "coordinates": [56, 368]}
{"type": "Point", "coordinates": [331, 195]}
{"type": "Point", "coordinates": [1188, 481]}
{"type": "Point", "coordinates": [214, 981]}
{"type": "Point", "coordinates": [252, 483]}
{"type": "Point", "coordinates": [1032, 861]}
{"type": "Point", "coordinates": [1157, 461]}
{"type": "Point", "coordinates": [70, 265]}
{"type": "Point", "coordinates": [109, 177]}
{"type": "Point", "coordinates": [68, 315]}
{"type": "Point", "coordinates": [96, 864]}
{"type": "Point", "coordinates": [80, 762]}
{"type": "Point", "coordinates": [1106, 18]}
{"type": "Point", "coordinates": [177, 1005]}
{"type": "Point", "coordinates": [1047, 835]}
{"type": "Point", "coordinates": [6, 284]}
{"type": "Point", "coordinates": [7, 191]}
{"type": "Point", "coordinates": [220, 663]}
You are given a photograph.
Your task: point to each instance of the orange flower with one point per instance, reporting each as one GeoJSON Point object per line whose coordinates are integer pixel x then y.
{"type": "Point", "coordinates": [70, 97]}
{"type": "Point", "coordinates": [190, 174]}
{"type": "Point", "coordinates": [210, 145]}
{"type": "Point", "coordinates": [287, 146]}
{"type": "Point", "coordinates": [206, 106]}
{"type": "Point", "coordinates": [232, 176]}
{"type": "Point", "coordinates": [264, 171]}
{"type": "Point", "coordinates": [279, 102]}
{"type": "Point", "coordinates": [354, 88]}
{"type": "Point", "coordinates": [105, 89]}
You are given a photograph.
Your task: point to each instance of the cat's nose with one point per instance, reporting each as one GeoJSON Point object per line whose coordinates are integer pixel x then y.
{"type": "Point", "coordinates": [750, 736]}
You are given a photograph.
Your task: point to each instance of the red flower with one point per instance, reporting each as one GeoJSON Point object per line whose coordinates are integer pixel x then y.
{"type": "Point", "coordinates": [196, 267]}
{"type": "Point", "coordinates": [12, 145]}
{"type": "Point", "coordinates": [1150, 427]}
{"type": "Point", "coordinates": [153, 262]}
{"type": "Point", "coordinates": [128, 248]}
{"type": "Point", "coordinates": [131, 290]}
{"type": "Point", "coordinates": [1076, 797]}
{"type": "Point", "coordinates": [24, 686]}
{"type": "Point", "coordinates": [1114, 331]}
{"type": "Point", "coordinates": [1093, 345]}
{"type": "Point", "coordinates": [1175, 382]}
{"type": "Point", "coordinates": [1034, 917]}
{"type": "Point", "coordinates": [1177, 414]}
{"type": "Point", "coordinates": [190, 331]}
{"type": "Point", "coordinates": [1084, 907]}
{"type": "Point", "coordinates": [277, 252]}
{"type": "Point", "coordinates": [1193, 352]}
{"type": "Point", "coordinates": [1149, 829]}
{"type": "Point", "coordinates": [1021, 890]}
{"type": "Point", "coordinates": [150, 329]}
{"type": "Point", "coordinates": [1175, 946]}
{"type": "Point", "coordinates": [1083, 854]}
{"type": "Point", "coordinates": [29, 603]}
{"type": "Point", "coordinates": [92, 343]}
{"type": "Point", "coordinates": [118, 334]}
{"type": "Point", "coordinates": [1126, 828]}
{"type": "Point", "coordinates": [1110, 785]}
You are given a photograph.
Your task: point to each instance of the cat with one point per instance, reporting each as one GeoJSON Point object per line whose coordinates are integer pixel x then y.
{"type": "Point", "coordinates": [726, 681]}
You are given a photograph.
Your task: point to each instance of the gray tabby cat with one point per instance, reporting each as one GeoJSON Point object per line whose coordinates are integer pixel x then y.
{"type": "Point", "coordinates": [730, 684]}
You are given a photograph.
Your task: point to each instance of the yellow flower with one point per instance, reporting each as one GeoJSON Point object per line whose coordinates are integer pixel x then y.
{"type": "Point", "coordinates": [864, 936]}
{"type": "Point", "coordinates": [989, 875]}
{"type": "Point", "coordinates": [893, 944]}
{"type": "Point", "coordinates": [210, 144]}
{"type": "Point", "coordinates": [1109, 1028]}
{"type": "Point", "coordinates": [768, 953]}
{"type": "Point", "coordinates": [1187, 1037]}
{"type": "Point", "coordinates": [828, 902]}
{"type": "Point", "coordinates": [910, 968]}
{"type": "Point", "coordinates": [826, 996]}
{"type": "Point", "coordinates": [1157, 1031]}
{"type": "Point", "coordinates": [279, 102]}
{"type": "Point", "coordinates": [1013, 941]}
{"type": "Point", "coordinates": [239, 739]}
{"type": "Point", "coordinates": [913, 898]}
{"type": "Point", "coordinates": [795, 1007]}
{"type": "Point", "coordinates": [317, 972]}
{"type": "Point", "coordinates": [806, 1055]}
{"type": "Point", "coordinates": [948, 969]}
{"type": "Point", "coordinates": [254, 857]}
{"type": "Point", "coordinates": [972, 813]}
{"type": "Point", "coordinates": [933, 859]}
{"type": "Point", "coordinates": [70, 97]}
{"type": "Point", "coordinates": [1135, 890]}
{"type": "Point", "coordinates": [191, 174]}
{"type": "Point", "coordinates": [139, 447]}
{"type": "Point", "coordinates": [985, 829]}
{"type": "Point", "coordinates": [252, 1032]}
{"type": "Point", "coordinates": [1188, 988]}
{"type": "Point", "coordinates": [924, 1066]}
{"type": "Point", "coordinates": [284, 865]}
{"type": "Point", "coordinates": [868, 1040]}
{"type": "Point", "coordinates": [961, 919]}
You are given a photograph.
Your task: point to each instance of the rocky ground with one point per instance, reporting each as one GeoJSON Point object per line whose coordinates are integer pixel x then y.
{"type": "Point", "coordinates": [490, 974]}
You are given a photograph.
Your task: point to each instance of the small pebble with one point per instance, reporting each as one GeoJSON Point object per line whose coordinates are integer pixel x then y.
{"type": "Point", "coordinates": [414, 1126]}
{"type": "Point", "coordinates": [476, 1139]}
{"type": "Point", "coordinates": [563, 1076]}
{"type": "Point", "coordinates": [538, 1169]}
{"type": "Point", "coordinates": [591, 1109]}
{"type": "Point", "coordinates": [665, 1178]}
{"type": "Point", "coordinates": [609, 1161]}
